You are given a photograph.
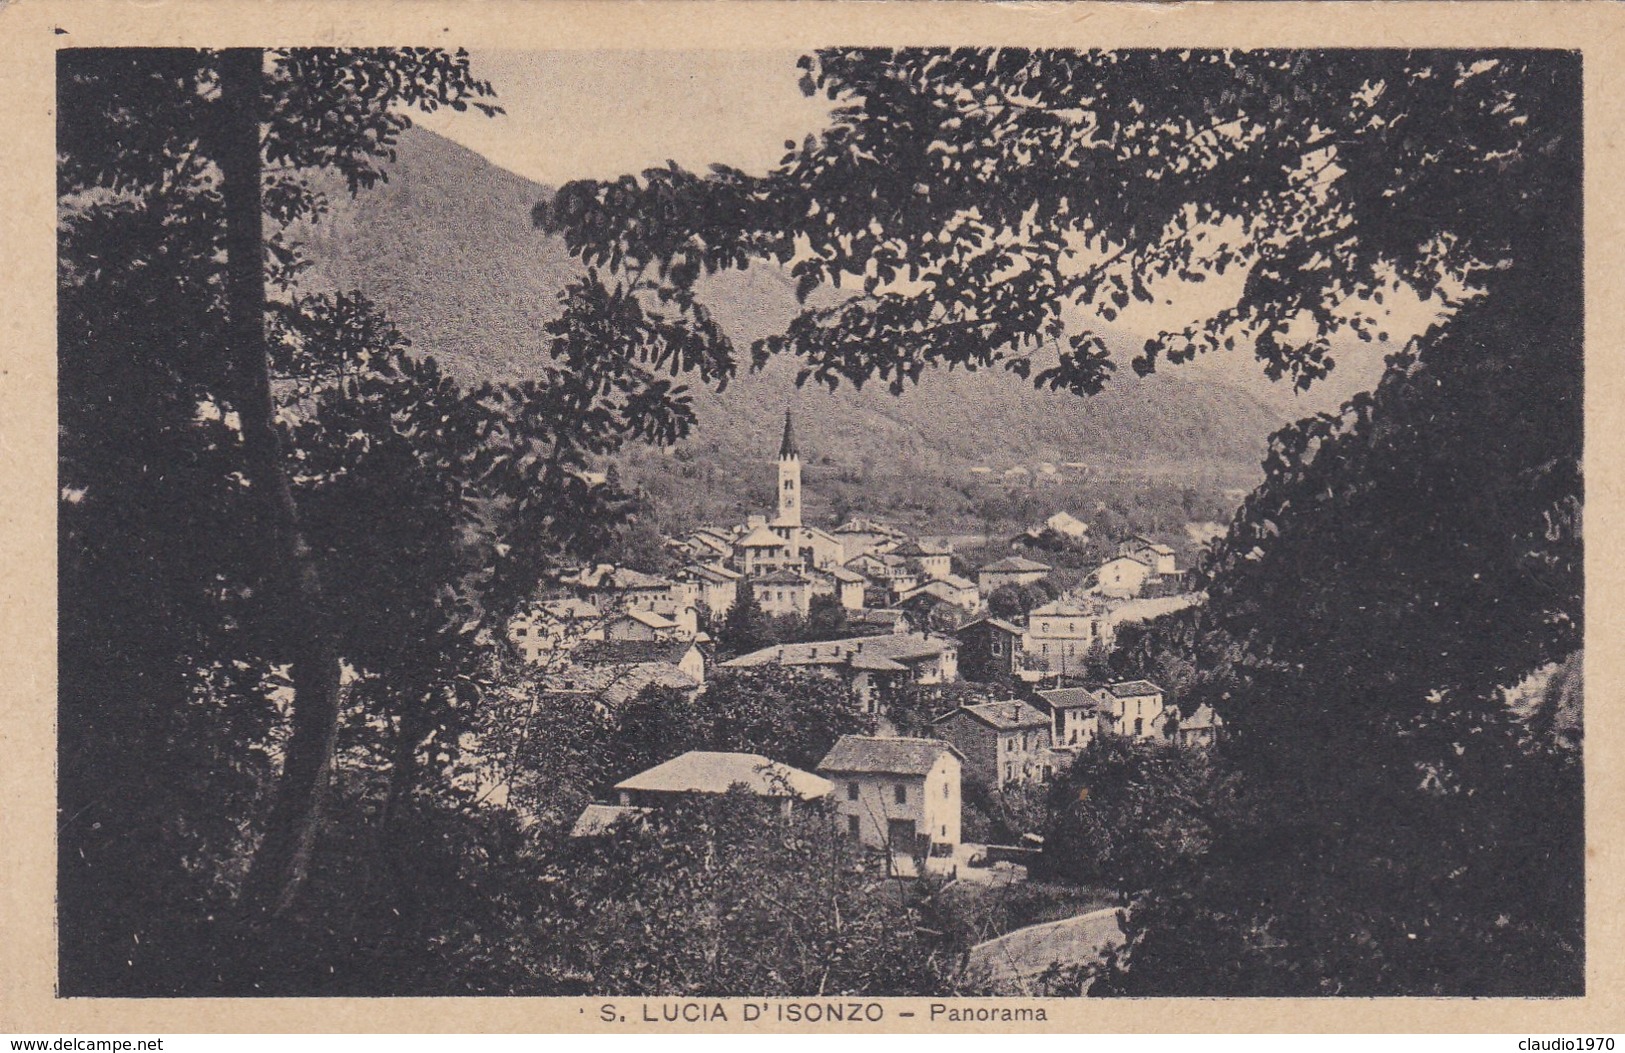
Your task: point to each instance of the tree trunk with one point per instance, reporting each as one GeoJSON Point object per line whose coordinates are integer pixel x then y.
{"type": "Point", "coordinates": [298, 614]}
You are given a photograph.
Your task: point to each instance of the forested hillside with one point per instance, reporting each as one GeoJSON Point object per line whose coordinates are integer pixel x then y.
{"type": "Point", "coordinates": [447, 247]}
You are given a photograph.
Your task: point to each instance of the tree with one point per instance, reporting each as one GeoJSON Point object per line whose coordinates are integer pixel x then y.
{"type": "Point", "coordinates": [722, 896]}
{"type": "Point", "coordinates": [285, 428]}
{"type": "Point", "coordinates": [745, 628]}
{"type": "Point", "coordinates": [788, 715]}
{"type": "Point", "coordinates": [826, 619]}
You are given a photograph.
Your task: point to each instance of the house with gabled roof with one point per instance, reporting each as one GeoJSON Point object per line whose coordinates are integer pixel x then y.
{"type": "Point", "coordinates": [784, 592]}
{"type": "Point", "coordinates": [1159, 556]}
{"type": "Point", "coordinates": [900, 795]}
{"type": "Point", "coordinates": [1125, 576]}
{"type": "Point", "coordinates": [950, 589]}
{"type": "Point", "coordinates": [543, 627]}
{"type": "Point", "coordinates": [1059, 635]}
{"type": "Point", "coordinates": [934, 558]}
{"type": "Point", "coordinates": [1072, 713]}
{"type": "Point", "coordinates": [714, 586]}
{"type": "Point", "coordinates": [873, 666]}
{"type": "Point", "coordinates": [846, 585]}
{"type": "Point", "coordinates": [1132, 709]}
{"type": "Point", "coordinates": [638, 623]}
{"type": "Point", "coordinates": [616, 670]}
{"type": "Point", "coordinates": [876, 621]}
{"type": "Point", "coordinates": [987, 648]}
{"type": "Point", "coordinates": [1003, 743]}
{"type": "Point", "coordinates": [763, 551]}
{"type": "Point", "coordinates": [1012, 570]}
{"type": "Point", "coordinates": [702, 773]}
{"type": "Point", "coordinates": [1201, 728]}
{"type": "Point", "coordinates": [608, 587]}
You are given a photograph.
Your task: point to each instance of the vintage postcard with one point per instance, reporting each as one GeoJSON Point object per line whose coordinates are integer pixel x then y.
{"type": "Point", "coordinates": [763, 516]}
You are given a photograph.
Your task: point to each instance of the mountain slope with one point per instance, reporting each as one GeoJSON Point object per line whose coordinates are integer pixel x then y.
{"type": "Point", "coordinates": [446, 246]}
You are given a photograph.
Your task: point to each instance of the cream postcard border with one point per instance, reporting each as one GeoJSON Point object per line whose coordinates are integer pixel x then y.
{"type": "Point", "coordinates": [32, 30]}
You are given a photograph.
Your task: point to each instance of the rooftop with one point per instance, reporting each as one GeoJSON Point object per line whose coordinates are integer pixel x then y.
{"type": "Point", "coordinates": [1062, 609]}
{"type": "Point", "coordinates": [761, 537]}
{"type": "Point", "coordinates": [890, 756]}
{"type": "Point", "coordinates": [1070, 698]}
{"type": "Point", "coordinates": [780, 577]}
{"type": "Point", "coordinates": [884, 652]}
{"type": "Point", "coordinates": [631, 652]}
{"type": "Point", "coordinates": [1016, 565]}
{"type": "Point", "coordinates": [1009, 715]}
{"type": "Point", "coordinates": [706, 572]}
{"type": "Point", "coordinates": [1133, 688]}
{"type": "Point", "coordinates": [649, 618]}
{"type": "Point", "coordinates": [701, 771]}
{"type": "Point", "coordinates": [997, 623]}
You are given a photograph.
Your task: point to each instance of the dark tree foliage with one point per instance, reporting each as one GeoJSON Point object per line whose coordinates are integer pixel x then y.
{"type": "Point", "coordinates": [746, 627]}
{"type": "Point", "coordinates": [721, 897]}
{"type": "Point", "coordinates": [791, 716]}
{"type": "Point", "coordinates": [1405, 560]}
{"type": "Point", "coordinates": [261, 486]}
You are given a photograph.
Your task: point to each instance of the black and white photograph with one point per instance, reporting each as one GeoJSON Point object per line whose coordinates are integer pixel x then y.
{"type": "Point", "coordinates": [835, 523]}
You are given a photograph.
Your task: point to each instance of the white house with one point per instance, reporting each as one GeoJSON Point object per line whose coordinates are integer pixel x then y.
{"type": "Point", "coordinates": [1132, 709]}
{"type": "Point", "coordinates": [1159, 556]}
{"type": "Point", "coordinates": [763, 551]}
{"type": "Point", "coordinates": [784, 592]}
{"type": "Point", "coordinates": [1059, 635]}
{"type": "Point", "coordinates": [1124, 576]}
{"type": "Point", "coordinates": [715, 586]}
{"type": "Point", "coordinates": [901, 795]}
{"type": "Point", "coordinates": [544, 627]}
{"type": "Point", "coordinates": [1072, 715]}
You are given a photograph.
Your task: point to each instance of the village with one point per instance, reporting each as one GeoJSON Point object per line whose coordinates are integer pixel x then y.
{"type": "Point", "coordinates": [1011, 667]}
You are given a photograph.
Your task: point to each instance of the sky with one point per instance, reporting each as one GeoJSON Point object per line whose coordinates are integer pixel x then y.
{"type": "Point", "coordinates": [601, 114]}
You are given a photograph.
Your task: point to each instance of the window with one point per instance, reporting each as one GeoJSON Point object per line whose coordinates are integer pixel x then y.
{"type": "Point", "coordinates": [1009, 771]}
{"type": "Point", "coordinates": [521, 632]}
{"type": "Point", "coordinates": [947, 791]}
{"type": "Point", "coordinates": [944, 829]}
{"type": "Point", "coordinates": [1139, 725]}
{"type": "Point", "coordinates": [998, 646]}
{"type": "Point", "coordinates": [789, 484]}
{"type": "Point", "coordinates": [902, 793]}
{"type": "Point", "coordinates": [852, 826]}
{"type": "Point", "coordinates": [851, 791]}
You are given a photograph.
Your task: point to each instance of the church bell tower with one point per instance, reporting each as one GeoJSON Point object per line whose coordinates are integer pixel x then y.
{"type": "Point", "coordinates": [789, 478]}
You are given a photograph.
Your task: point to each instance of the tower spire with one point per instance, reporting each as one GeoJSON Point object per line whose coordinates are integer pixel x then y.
{"type": "Point", "coordinates": [787, 448]}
